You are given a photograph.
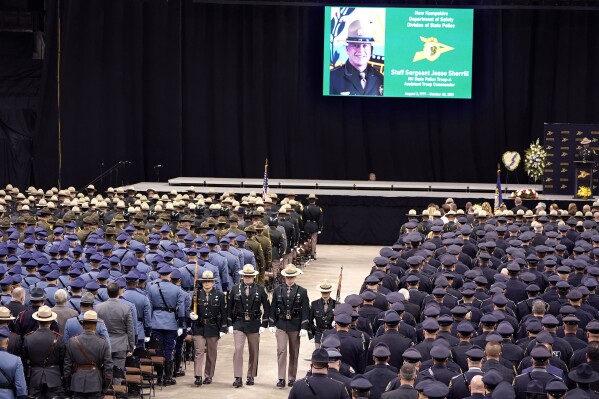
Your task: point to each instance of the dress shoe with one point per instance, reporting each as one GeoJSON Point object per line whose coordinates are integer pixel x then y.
{"type": "Point", "coordinates": [198, 381]}
{"type": "Point", "coordinates": [281, 384]}
{"type": "Point", "coordinates": [290, 383]}
{"type": "Point", "coordinates": [237, 383]}
{"type": "Point", "coordinates": [207, 380]}
{"type": "Point", "coordinates": [250, 381]}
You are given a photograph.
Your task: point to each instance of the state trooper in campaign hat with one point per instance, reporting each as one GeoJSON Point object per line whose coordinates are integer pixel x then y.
{"type": "Point", "coordinates": [321, 312]}
{"type": "Point", "coordinates": [289, 321]}
{"type": "Point", "coordinates": [248, 311]}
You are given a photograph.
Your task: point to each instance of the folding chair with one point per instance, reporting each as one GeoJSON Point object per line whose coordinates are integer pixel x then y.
{"type": "Point", "coordinates": [117, 391]}
{"type": "Point", "coordinates": [134, 377]}
{"type": "Point", "coordinates": [157, 361]}
{"type": "Point", "coordinates": [147, 369]}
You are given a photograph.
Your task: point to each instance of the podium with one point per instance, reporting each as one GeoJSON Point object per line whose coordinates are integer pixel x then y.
{"type": "Point", "coordinates": [583, 176]}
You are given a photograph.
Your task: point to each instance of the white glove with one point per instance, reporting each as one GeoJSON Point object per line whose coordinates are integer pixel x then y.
{"type": "Point", "coordinates": [222, 334]}
{"type": "Point", "coordinates": [147, 339]}
{"type": "Point", "coordinates": [179, 332]}
{"type": "Point", "coordinates": [260, 330]}
{"type": "Point", "coordinates": [312, 340]}
{"type": "Point", "coordinates": [303, 333]}
{"type": "Point", "coordinates": [231, 330]}
{"type": "Point", "coordinates": [193, 316]}
{"type": "Point", "coordinates": [319, 232]}
{"type": "Point", "coordinates": [333, 323]}
{"type": "Point", "coordinates": [272, 329]}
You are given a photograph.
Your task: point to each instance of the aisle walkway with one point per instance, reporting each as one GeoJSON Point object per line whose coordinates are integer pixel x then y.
{"type": "Point", "coordinates": [356, 262]}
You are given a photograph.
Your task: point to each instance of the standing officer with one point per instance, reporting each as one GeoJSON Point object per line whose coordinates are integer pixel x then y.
{"type": "Point", "coordinates": [25, 323]}
{"type": "Point", "coordinates": [43, 352]}
{"type": "Point", "coordinates": [321, 312]}
{"type": "Point", "coordinates": [313, 222]}
{"type": "Point", "coordinates": [208, 325]}
{"type": "Point", "coordinates": [289, 321]}
{"type": "Point", "coordinates": [12, 377]}
{"type": "Point", "coordinates": [248, 317]}
{"type": "Point", "coordinates": [168, 319]}
{"type": "Point", "coordinates": [253, 245]}
{"type": "Point", "coordinates": [87, 364]}
{"type": "Point", "coordinates": [142, 305]}
{"type": "Point", "coordinates": [317, 384]}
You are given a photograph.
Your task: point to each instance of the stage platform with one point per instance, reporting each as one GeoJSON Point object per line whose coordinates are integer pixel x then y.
{"type": "Point", "coordinates": [361, 212]}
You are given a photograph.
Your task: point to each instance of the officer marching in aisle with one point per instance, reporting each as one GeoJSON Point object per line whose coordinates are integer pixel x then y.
{"type": "Point", "coordinates": [321, 313]}
{"type": "Point", "coordinates": [313, 222]}
{"type": "Point", "coordinates": [209, 323]}
{"type": "Point", "coordinates": [248, 317]}
{"type": "Point", "coordinates": [318, 384]}
{"type": "Point", "coordinates": [289, 321]}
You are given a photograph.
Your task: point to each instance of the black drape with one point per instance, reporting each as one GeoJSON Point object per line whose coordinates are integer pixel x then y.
{"type": "Point", "coordinates": [212, 90]}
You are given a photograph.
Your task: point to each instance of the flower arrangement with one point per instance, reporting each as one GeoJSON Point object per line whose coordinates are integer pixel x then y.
{"type": "Point", "coordinates": [584, 192]}
{"type": "Point", "coordinates": [525, 193]}
{"type": "Point", "coordinates": [535, 159]}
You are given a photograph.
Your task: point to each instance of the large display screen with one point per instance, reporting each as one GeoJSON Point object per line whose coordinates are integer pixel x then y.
{"type": "Point", "coordinates": [398, 52]}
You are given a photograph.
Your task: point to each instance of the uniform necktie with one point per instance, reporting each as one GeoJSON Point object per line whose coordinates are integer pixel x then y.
{"type": "Point", "coordinates": [247, 290]}
{"type": "Point", "coordinates": [288, 290]}
{"type": "Point", "coordinates": [363, 79]}
{"type": "Point", "coordinates": [326, 306]}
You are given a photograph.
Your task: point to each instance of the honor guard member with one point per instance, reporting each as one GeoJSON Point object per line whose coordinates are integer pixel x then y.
{"type": "Point", "coordinates": [356, 76]}
{"type": "Point", "coordinates": [208, 325]}
{"type": "Point", "coordinates": [43, 352]}
{"type": "Point", "coordinates": [142, 305]}
{"type": "Point", "coordinates": [25, 323]}
{"type": "Point", "coordinates": [168, 319]}
{"type": "Point", "coordinates": [318, 384]}
{"type": "Point", "coordinates": [247, 318]}
{"type": "Point", "coordinates": [459, 387]}
{"type": "Point", "coordinates": [313, 221]}
{"type": "Point", "coordinates": [12, 376]}
{"type": "Point", "coordinates": [321, 312]}
{"type": "Point", "coordinates": [540, 355]}
{"type": "Point", "coordinates": [88, 365]}
{"type": "Point", "coordinates": [289, 314]}
{"type": "Point", "coordinates": [15, 342]}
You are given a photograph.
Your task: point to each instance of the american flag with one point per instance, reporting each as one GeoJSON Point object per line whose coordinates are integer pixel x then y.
{"type": "Point", "coordinates": [265, 181]}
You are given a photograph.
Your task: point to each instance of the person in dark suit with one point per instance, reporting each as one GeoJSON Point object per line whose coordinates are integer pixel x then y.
{"type": "Point", "coordinates": [12, 379]}
{"type": "Point", "coordinates": [208, 325]}
{"type": "Point", "coordinates": [289, 321]}
{"type": "Point", "coordinates": [43, 352]}
{"type": "Point", "coordinates": [247, 318]}
{"type": "Point", "coordinates": [493, 354]}
{"type": "Point", "coordinates": [317, 384]}
{"type": "Point", "coordinates": [25, 323]}
{"type": "Point", "coordinates": [356, 77]}
{"type": "Point", "coordinates": [88, 364]}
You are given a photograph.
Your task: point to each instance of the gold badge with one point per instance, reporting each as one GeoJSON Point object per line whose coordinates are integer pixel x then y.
{"type": "Point", "coordinates": [432, 49]}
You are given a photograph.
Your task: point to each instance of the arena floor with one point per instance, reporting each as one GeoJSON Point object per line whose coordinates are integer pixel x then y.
{"type": "Point", "coordinates": [356, 261]}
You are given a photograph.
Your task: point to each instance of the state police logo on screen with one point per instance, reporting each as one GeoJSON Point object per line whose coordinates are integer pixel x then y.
{"type": "Point", "coordinates": [432, 49]}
